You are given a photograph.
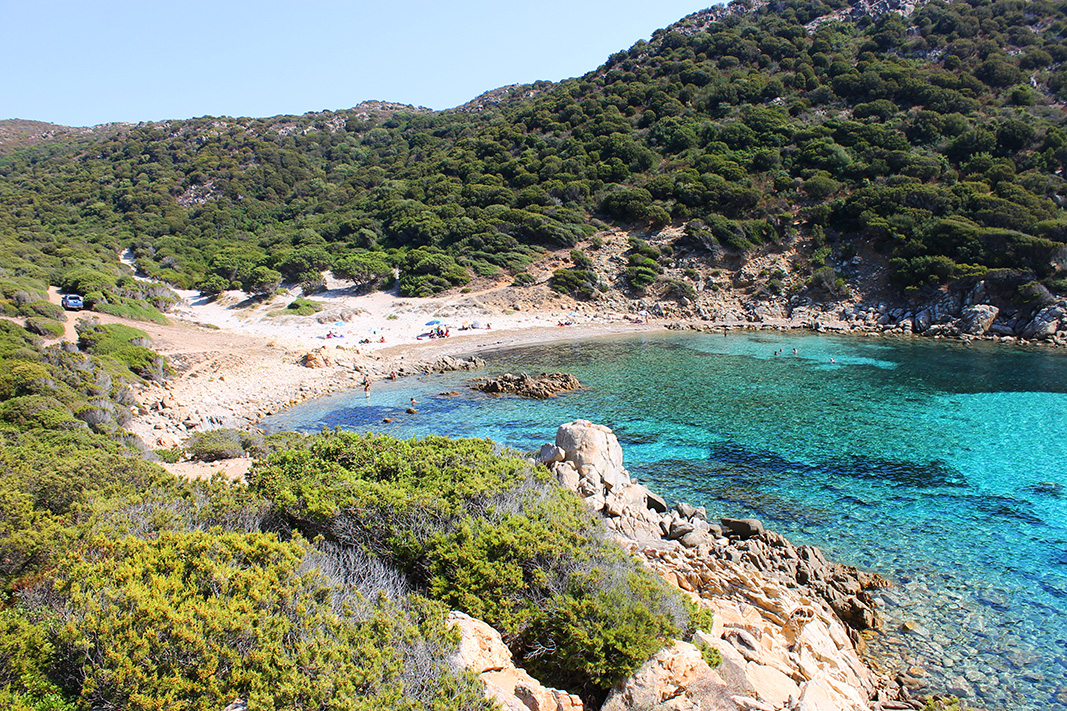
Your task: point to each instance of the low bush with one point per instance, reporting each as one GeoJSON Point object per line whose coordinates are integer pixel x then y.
{"type": "Point", "coordinates": [215, 445]}
{"type": "Point", "coordinates": [170, 456]}
{"type": "Point", "coordinates": [580, 283]}
{"type": "Point", "coordinates": [124, 345]}
{"type": "Point", "coordinates": [581, 260]}
{"type": "Point", "coordinates": [486, 533]}
{"type": "Point", "coordinates": [302, 307]}
{"type": "Point", "coordinates": [132, 311]}
{"type": "Point", "coordinates": [44, 308]}
{"type": "Point", "coordinates": [45, 327]}
{"type": "Point", "coordinates": [195, 619]}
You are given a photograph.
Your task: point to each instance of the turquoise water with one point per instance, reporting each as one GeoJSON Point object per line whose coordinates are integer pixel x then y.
{"type": "Point", "coordinates": [942, 466]}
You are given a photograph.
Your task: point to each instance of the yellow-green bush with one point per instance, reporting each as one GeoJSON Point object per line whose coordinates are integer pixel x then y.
{"type": "Point", "coordinates": [488, 533]}
{"type": "Point", "coordinates": [192, 620]}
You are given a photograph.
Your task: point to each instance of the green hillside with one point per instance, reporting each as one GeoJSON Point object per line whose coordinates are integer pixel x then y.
{"type": "Point", "coordinates": [938, 139]}
{"type": "Point", "coordinates": [935, 141]}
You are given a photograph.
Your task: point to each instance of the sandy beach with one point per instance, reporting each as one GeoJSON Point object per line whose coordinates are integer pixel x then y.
{"type": "Point", "coordinates": [237, 359]}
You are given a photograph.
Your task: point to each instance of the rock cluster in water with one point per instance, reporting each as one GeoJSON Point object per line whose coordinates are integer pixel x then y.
{"type": "Point", "coordinates": [587, 459]}
{"type": "Point", "coordinates": [779, 609]}
{"type": "Point", "coordinates": [542, 387]}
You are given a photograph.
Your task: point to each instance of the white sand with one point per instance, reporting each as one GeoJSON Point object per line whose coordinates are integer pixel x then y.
{"type": "Point", "coordinates": [236, 360]}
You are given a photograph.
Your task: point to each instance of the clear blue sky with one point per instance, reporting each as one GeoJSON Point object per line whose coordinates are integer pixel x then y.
{"type": "Point", "coordinates": [81, 63]}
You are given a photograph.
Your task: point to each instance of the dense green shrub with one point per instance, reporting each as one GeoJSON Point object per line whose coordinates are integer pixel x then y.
{"type": "Point", "coordinates": [580, 283]}
{"type": "Point", "coordinates": [45, 327]}
{"type": "Point", "coordinates": [302, 307]}
{"type": "Point", "coordinates": [488, 534]}
{"type": "Point", "coordinates": [427, 271]}
{"type": "Point", "coordinates": [194, 620]}
{"type": "Point", "coordinates": [132, 311]}
{"type": "Point", "coordinates": [368, 270]}
{"type": "Point", "coordinates": [580, 259]}
{"type": "Point", "coordinates": [125, 346]}
{"type": "Point", "coordinates": [44, 308]}
{"type": "Point", "coordinates": [214, 445]}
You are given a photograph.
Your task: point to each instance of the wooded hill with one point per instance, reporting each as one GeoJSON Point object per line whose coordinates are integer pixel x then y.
{"type": "Point", "coordinates": [936, 138]}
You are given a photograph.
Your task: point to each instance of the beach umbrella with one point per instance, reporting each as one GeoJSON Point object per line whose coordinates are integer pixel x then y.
{"type": "Point", "coordinates": [573, 314]}
{"type": "Point", "coordinates": [434, 322]}
{"type": "Point", "coordinates": [476, 324]}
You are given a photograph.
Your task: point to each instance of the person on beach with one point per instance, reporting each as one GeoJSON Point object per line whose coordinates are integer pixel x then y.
{"type": "Point", "coordinates": [413, 402]}
{"type": "Point", "coordinates": [392, 375]}
{"type": "Point", "coordinates": [366, 388]}
{"type": "Point", "coordinates": [794, 351]}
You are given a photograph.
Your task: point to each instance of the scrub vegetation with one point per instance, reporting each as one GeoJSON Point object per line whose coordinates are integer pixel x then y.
{"type": "Point", "coordinates": [937, 139]}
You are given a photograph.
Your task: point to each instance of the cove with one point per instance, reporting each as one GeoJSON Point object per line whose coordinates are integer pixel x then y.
{"type": "Point", "coordinates": [940, 465]}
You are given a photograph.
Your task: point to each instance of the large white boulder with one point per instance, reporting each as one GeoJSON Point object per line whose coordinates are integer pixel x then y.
{"type": "Point", "coordinates": [593, 447]}
{"type": "Point", "coordinates": [977, 319]}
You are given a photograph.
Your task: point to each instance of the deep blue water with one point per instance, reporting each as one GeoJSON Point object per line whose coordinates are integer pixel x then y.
{"type": "Point", "coordinates": [942, 466]}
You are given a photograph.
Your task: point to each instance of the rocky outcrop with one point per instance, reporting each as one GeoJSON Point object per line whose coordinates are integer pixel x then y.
{"type": "Point", "coordinates": [780, 610]}
{"type": "Point", "coordinates": [444, 364]}
{"type": "Point", "coordinates": [677, 678]}
{"type": "Point", "coordinates": [1046, 323]}
{"type": "Point", "coordinates": [988, 312]}
{"type": "Point", "coordinates": [342, 313]}
{"type": "Point", "coordinates": [318, 358]}
{"type": "Point", "coordinates": [483, 652]}
{"type": "Point", "coordinates": [543, 386]}
{"type": "Point", "coordinates": [587, 459]}
{"type": "Point", "coordinates": [977, 319]}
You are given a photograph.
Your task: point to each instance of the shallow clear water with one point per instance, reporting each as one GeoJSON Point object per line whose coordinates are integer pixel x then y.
{"type": "Point", "coordinates": [942, 466]}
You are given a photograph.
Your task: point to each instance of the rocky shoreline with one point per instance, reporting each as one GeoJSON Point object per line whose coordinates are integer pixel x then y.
{"type": "Point", "coordinates": [786, 624]}
{"type": "Point", "coordinates": [951, 317]}
{"type": "Point", "coordinates": [213, 392]}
